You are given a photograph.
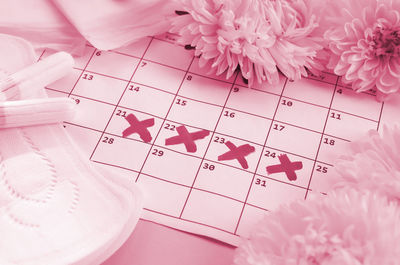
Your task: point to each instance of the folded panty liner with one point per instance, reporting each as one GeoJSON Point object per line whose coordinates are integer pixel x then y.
{"type": "Point", "coordinates": [55, 208]}
{"type": "Point", "coordinates": [109, 24]}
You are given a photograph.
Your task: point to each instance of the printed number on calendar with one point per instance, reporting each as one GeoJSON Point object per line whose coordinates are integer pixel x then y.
{"type": "Point", "coordinates": [270, 154]}
{"type": "Point", "coordinates": [77, 100]}
{"type": "Point", "coordinates": [329, 141]}
{"type": "Point", "coordinates": [170, 127]}
{"type": "Point", "coordinates": [180, 102]}
{"type": "Point", "coordinates": [322, 169]}
{"type": "Point", "coordinates": [121, 113]}
{"type": "Point", "coordinates": [208, 166]}
{"type": "Point", "coordinates": [229, 114]}
{"type": "Point", "coordinates": [87, 77]}
{"type": "Point", "coordinates": [219, 140]}
{"type": "Point", "coordinates": [157, 152]}
{"type": "Point", "coordinates": [278, 127]}
{"type": "Point", "coordinates": [261, 182]}
{"type": "Point", "coordinates": [336, 116]}
{"type": "Point", "coordinates": [134, 88]}
{"type": "Point", "coordinates": [108, 140]}
{"type": "Point", "coordinates": [287, 102]}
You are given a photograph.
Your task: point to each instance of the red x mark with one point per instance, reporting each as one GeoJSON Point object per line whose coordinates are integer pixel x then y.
{"type": "Point", "coordinates": [286, 166]}
{"type": "Point", "coordinates": [186, 138]}
{"type": "Point", "coordinates": [237, 153]}
{"type": "Point", "coordinates": [139, 127]}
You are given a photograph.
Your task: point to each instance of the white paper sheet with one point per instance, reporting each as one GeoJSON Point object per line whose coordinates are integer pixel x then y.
{"type": "Point", "coordinates": [40, 23]}
{"type": "Point", "coordinates": [132, 100]}
{"type": "Point", "coordinates": [108, 24]}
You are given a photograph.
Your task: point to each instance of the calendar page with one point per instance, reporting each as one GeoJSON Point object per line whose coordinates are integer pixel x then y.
{"type": "Point", "coordinates": [211, 155]}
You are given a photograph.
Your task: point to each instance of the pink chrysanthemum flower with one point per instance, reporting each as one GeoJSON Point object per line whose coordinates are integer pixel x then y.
{"type": "Point", "coordinates": [344, 228]}
{"type": "Point", "coordinates": [372, 163]}
{"type": "Point", "coordinates": [261, 37]}
{"type": "Point", "coordinates": [364, 37]}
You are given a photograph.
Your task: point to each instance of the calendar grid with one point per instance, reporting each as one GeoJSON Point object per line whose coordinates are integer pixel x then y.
{"type": "Point", "coordinates": [280, 181]}
{"type": "Point", "coordinates": [311, 77]}
{"type": "Point", "coordinates": [321, 106]}
{"type": "Point", "coordinates": [227, 135]}
{"type": "Point", "coordinates": [101, 74]}
{"type": "Point", "coordinates": [164, 119]}
{"type": "Point", "coordinates": [320, 141]}
{"type": "Point", "coordinates": [287, 97]}
{"type": "Point", "coordinates": [200, 189]}
{"type": "Point", "coordinates": [80, 75]}
{"type": "Point", "coordinates": [230, 108]}
{"type": "Point", "coordinates": [194, 184]}
{"type": "Point", "coordinates": [261, 155]}
{"type": "Point", "coordinates": [322, 81]}
{"type": "Point", "coordinates": [354, 115]}
{"type": "Point", "coordinates": [213, 104]}
{"type": "Point", "coordinates": [213, 161]}
{"type": "Point", "coordinates": [209, 143]}
{"type": "Point", "coordinates": [119, 100]}
{"type": "Point", "coordinates": [189, 221]}
{"type": "Point", "coordinates": [186, 154]}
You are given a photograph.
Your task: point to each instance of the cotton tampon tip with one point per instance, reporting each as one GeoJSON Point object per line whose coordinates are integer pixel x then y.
{"type": "Point", "coordinates": [48, 70]}
{"type": "Point", "coordinates": [39, 74]}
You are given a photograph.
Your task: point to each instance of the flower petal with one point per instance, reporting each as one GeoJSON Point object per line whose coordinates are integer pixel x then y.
{"type": "Point", "coordinates": [394, 68]}
{"type": "Point", "coordinates": [370, 64]}
{"type": "Point", "coordinates": [256, 34]}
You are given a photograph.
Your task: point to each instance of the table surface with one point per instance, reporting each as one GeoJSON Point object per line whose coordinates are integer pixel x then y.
{"type": "Point", "coordinates": [152, 243]}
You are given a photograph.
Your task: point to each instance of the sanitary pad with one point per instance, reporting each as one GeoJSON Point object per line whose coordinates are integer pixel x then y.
{"type": "Point", "coordinates": [55, 208]}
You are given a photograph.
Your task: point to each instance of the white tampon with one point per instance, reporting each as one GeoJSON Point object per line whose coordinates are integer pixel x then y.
{"type": "Point", "coordinates": [37, 75]}
{"type": "Point", "coordinates": [30, 112]}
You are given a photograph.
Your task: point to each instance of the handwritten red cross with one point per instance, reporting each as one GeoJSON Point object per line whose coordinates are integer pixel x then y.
{"type": "Point", "coordinates": [139, 127]}
{"type": "Point", "coordinates": [238, 153]}
{"type": "Point", "coordinates": [186, 138]}
{"type": "Point", "coordinates": [286, 166]}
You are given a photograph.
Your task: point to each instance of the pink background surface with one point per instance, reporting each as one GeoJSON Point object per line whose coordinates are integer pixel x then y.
{"type": "Point", "coordinates": [151, 244]}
